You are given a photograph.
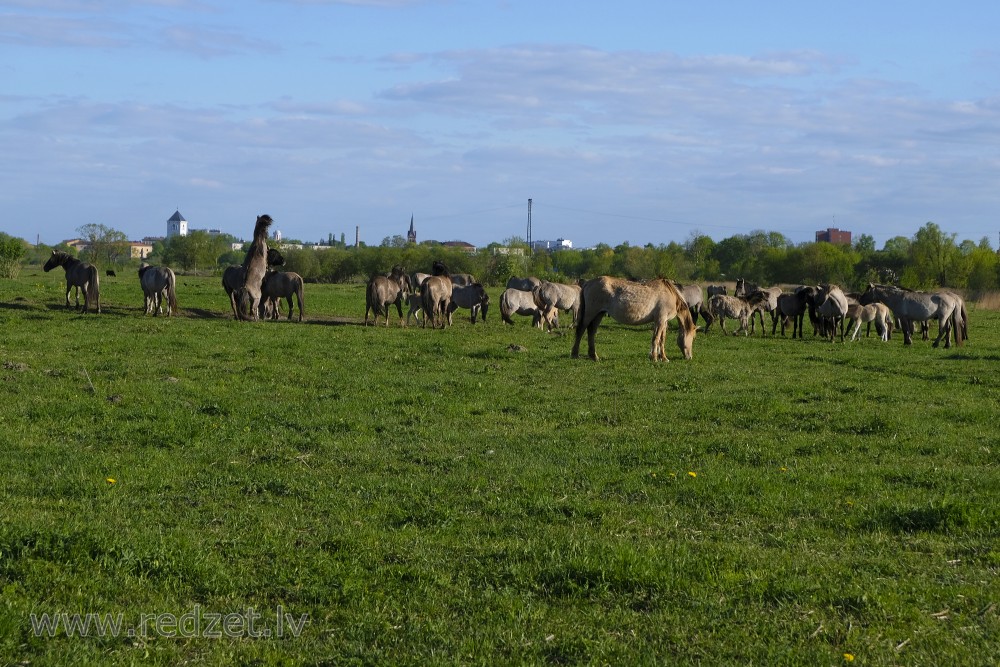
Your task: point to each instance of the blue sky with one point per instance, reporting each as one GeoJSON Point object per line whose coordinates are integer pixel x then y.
{"type": "Point", "coordinates": [628, 121]}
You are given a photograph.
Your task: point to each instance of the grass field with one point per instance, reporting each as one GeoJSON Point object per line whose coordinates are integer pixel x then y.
{"type": "Point", "coordinates": [475, 496]}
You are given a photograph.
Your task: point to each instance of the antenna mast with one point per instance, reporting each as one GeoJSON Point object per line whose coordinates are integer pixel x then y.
{"type": "Point", "coordinates": [529, 225]}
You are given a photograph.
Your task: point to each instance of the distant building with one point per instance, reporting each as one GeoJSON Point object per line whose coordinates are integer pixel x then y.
{"type": "Point", "coordinates": [77, 244]}
{"type": "Point", "coordinates": [139, 249]}
{"type": "Point", "coordinates": [460, 245]}
{"type": "Point", "coordinates": [411, 236]}
{"type": "Point", "coordinates": [834, 235]}
{"type": "Point", "coordinates": [558, 244]}
{"type": "Point", "coordinates": [176, 225]}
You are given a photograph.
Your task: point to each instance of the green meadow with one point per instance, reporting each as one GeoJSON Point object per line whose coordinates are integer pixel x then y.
{"type": "Point", "coordinates": [331, 494]}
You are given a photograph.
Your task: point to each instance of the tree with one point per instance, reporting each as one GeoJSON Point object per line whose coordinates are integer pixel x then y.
{"type": "Point", "coordinates": [105, 245]}
{"type": "Point", "coordinates": [865, 245]}
{"type": "Point", "coordinates": [934, 254]}
{"type": "Point", "coordinates": [196, 250]}
{"type": "Point", "coordinates": [11, 252]}
{"type": "Point", "coordinates": [396, 241]}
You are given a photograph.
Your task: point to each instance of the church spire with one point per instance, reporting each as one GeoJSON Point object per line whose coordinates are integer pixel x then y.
{"type": "Point", "coordinates": [411, 236]}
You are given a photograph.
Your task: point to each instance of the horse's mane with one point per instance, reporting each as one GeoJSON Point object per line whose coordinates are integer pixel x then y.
{"type": "Point", "coordinates": [259, 246]}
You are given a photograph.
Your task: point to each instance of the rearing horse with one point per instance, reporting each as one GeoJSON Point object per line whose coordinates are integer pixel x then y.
{"type": "Point", "coordinates": [80, 275]}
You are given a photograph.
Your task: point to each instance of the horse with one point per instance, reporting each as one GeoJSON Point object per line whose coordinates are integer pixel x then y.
{"type": "Point", "coordinates": [110, 273]}
{"type": "Point", "coordinates": [416, 304]}
{"type": "Point", "coordinates": [462, 279]}
{"type": "Point", "coordinates": [473, 297]}
{"type": "Point", "coordinates": [233, 276]}
{"type": "Point", "coordinates": [739, 308]}
{"type": "Point", "coordinates": [910, 307]}
{"type": "Point", "coordinates": [695, 301]}
{"type": "Point", "coordinates": [770, 306]}
{"type": "Point", "coordinates": [79, 275]}
{"type": "Point", "coordinates": [435, 293]}
{"type": "Point", "coordinates": [382, 291]}
{"type": "Point", "coordinates": [657, 301]}
{"type": "Point", "coordinates": [712, 290]}
{"type": "Point", "coordinates": [254, 268]}
{"type": "Point", "coordinates": [278, 285]}
{"type": "Point", "coordinates": [558, 296]}
{"type": "Point", "coordinates": [743, 288]}
{"type": "Point", "coordinates": [519, 302]}
{"type": "Point", "coordinates": [523, 284]}
{"type": "Point", "coordinates": [831, 306]}
{"type": "Point", "coordinates": [792, 306]}
{"type": "Point", "coordinates": [157, 281]}
{"type": "Point", "coordinates": [878, 313]}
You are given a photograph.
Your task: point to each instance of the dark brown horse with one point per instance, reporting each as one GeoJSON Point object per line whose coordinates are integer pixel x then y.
{"type": "Point", "coordinates": [79, 275]}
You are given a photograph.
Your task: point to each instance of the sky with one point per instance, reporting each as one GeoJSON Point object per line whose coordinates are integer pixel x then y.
{"type": "Point", "coordinates": [639, 121]}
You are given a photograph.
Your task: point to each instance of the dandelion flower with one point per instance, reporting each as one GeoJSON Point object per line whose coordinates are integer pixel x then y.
{"type": "Point", "coordinates": [848, 657]}
{"type": "Point", "coordinates": [111, 480]}
{"type": "Point", "coordinates": [693, 474]}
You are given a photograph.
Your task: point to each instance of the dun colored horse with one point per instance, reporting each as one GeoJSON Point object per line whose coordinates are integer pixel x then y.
{"type": "Point", "coordinates": [657, 301]}
{"type": "Point", "coordinates": [79, 275]}
{"type": "Point", "coordinates": [157, 281]}
{"type": "Point", "coordinates": [278, 285]}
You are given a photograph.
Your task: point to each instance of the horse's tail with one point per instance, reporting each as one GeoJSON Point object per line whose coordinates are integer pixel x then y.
{"type": "Point", "coordinates": [299, 294]}
{"type": "Point", "coordinates": [94, 287]}
{"type": "Point", "coordinates": [958, 324]}
{"type": "Point", "coordinates": [171, 293]}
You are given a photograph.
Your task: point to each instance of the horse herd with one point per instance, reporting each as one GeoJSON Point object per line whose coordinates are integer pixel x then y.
{"type": "Point", "coordinates": [827, 306]}
{"type": "Point", "coordinates": [255, 289]}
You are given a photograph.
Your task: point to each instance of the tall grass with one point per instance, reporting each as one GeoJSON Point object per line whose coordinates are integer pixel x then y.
{"type": "Point", "coordinates": [474, 495]}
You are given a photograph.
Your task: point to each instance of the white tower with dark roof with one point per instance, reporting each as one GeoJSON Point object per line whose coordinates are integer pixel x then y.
{"type": "Point", "coordinates": [177, 225]}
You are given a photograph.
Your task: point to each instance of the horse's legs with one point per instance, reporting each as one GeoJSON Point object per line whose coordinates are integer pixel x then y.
{"type": "Point", "coordinates": [591, 334]}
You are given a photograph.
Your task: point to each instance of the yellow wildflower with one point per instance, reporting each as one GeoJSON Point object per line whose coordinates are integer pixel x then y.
{"type": "Point", "coordinates": [693, 474]}
{"type": "Point", "coordinates": [111, 480]}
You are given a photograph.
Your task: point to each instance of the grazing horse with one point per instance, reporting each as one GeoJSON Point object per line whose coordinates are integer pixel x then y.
{"type": "Point", "coordinates": [384, 291]}
{"type": "Point", "coordinates": [519, 302]}
{"type": "Point", "coordinates": [878, 313]}
{"type": "Point", "coordinates": [254, 268]}
{"type": "Point", "coordinates": [278, 285]}
{"type": "Point", "coordinates": [157, 281]}
{"type": "Point", "coordinates": [739, 308]}
{"type": "Point", "coordinates": [558, 296]}
{"type": "Point", "coordinates": [232, 279]}
{"type": "Point", "coordinates": [712, 290]}
{"type": "Point", "coordinates": [831, 306]}
{"type": "Point", "coordinates": [110, 273]}
{"type": "Point", "coordinates": [79, 275]}
{"type": "Point", "coordinates": [523, 284]}
{"type": "Point", "coordinates": [657, 301]}
{"type": "Point", "coordinates": [473, 297]}
{"type": "Point", "coordinates": [435, 293]}
{"type": "Point", "coordinates": [910, 307]}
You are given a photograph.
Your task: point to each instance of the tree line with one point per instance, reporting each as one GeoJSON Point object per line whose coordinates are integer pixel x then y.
{"type": "Point", "coordinates": [930, 258]}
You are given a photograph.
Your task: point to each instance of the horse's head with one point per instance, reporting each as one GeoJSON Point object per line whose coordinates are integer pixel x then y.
{"type": "Point", "coordinates": [275, 258]}
{"type": "Point", "coordinates": [55, 260]}
{"type": "Point", "coordinates": [685, 336]}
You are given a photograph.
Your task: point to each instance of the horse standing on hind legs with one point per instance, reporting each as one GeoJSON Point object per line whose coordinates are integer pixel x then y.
{"type": "Point", "coordinates": [657, 301]}
{"type": "Point", "coordinates": [79, 275]}
{"type": "Point", "coordinates": [254, 268]}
